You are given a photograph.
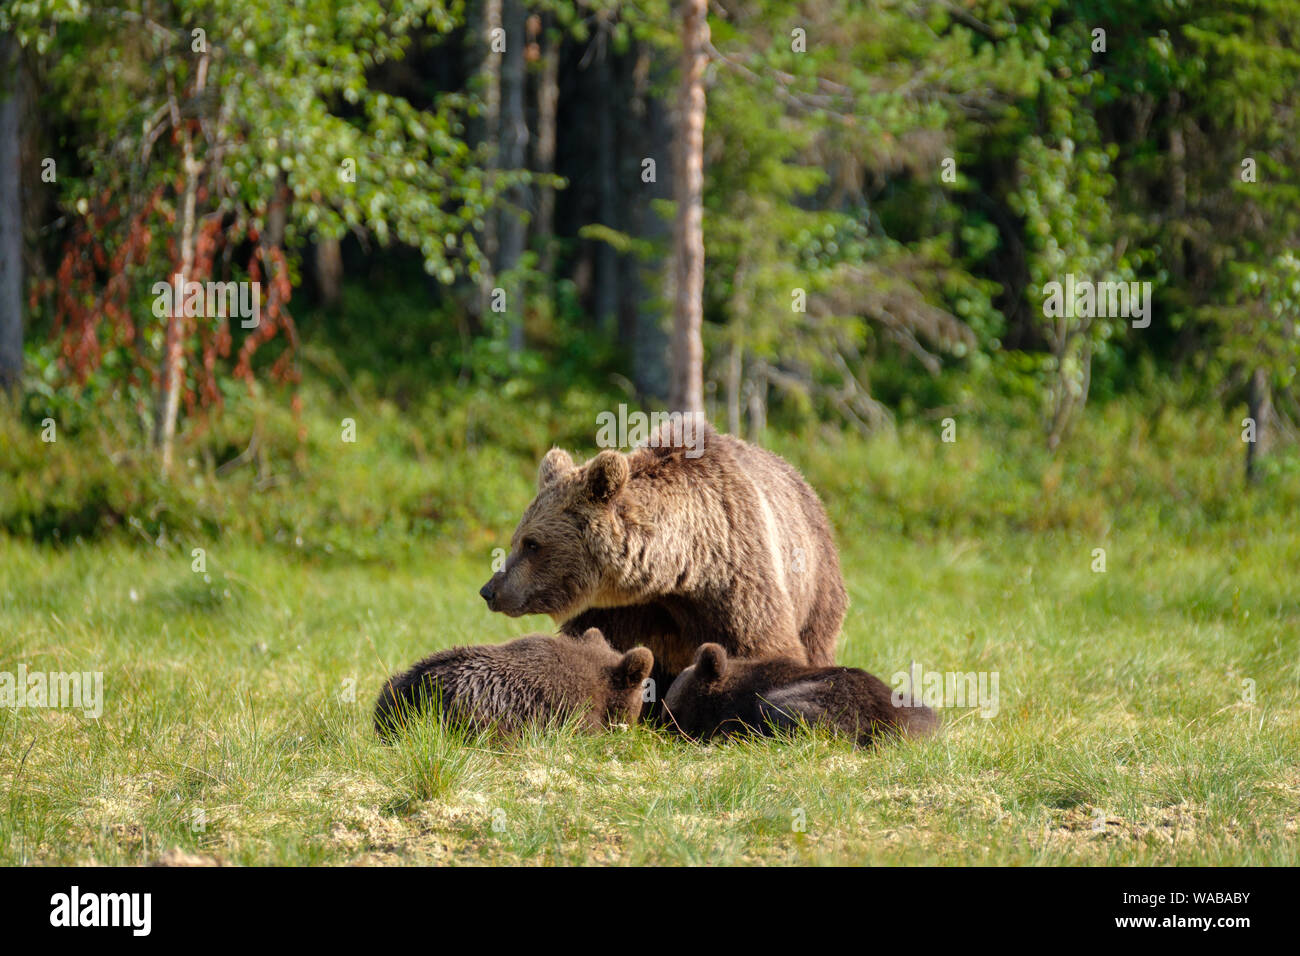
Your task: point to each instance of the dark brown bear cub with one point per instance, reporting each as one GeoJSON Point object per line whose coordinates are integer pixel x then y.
{"type": "Point", "coordinates": [534, 679]}
{"type": "Point", "coordinates": [734, 697]}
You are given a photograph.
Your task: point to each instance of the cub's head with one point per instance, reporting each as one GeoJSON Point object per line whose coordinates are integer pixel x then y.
{"type": "Point", "coordinates": [696, 703]}
{"type": "Point", "coordinates": [563, 549]}
{"type": "Point", "coordinates": [624, 679]}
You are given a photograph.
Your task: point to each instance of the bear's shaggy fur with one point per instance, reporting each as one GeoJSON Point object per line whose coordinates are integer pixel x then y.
{"type": "Point", "coordinates": [724, 696]}
{"type": "Point", "coordinates": [672, 547]}
{"type": "Point", "coordinates": [534, 679]}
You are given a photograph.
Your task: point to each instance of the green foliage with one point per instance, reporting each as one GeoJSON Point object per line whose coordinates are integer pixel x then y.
{"type": "Point", "coordinates": [211, 138]}
{"type": "Point", "coordinates": [1269, 335]}
{"type": "Point", "coordinates": [884, 205]}
{"type": "Point", "coordinates": [294, 99]}
{"type": "Point", "coordinates": [1191, 92]}
{"type": "Point", "coordinates": [457, 463]}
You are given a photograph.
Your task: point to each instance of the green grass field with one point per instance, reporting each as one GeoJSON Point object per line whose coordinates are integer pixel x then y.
{"type": "Point", "coordinates": [235, 723]}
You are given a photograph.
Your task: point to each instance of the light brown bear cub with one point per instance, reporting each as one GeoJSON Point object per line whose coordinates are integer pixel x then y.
{"type": "Point", "coordinates": [724, 696]}
{"type": "Point", "coordinates": [532, 680]}
{"type": "Point", "coordinates": [673, 547]}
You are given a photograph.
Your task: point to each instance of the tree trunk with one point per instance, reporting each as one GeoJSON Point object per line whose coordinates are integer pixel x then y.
{"type": "Point", "coordinates": [514, 152]}
{"type": "Point", "coordinates": [645, 288]}
{"type": "Point", "coordinates": [277, 214]}
{"type": "Point", "coordinates": [1261, 410]}
{"type": "Point", "coordinates": [491, 81]}
{"type": "Point", "coordinates": [756, 390]}
{"type": "Point", "coordinates": [329, 271]}
{"type": "Point", "coordinates": [548, 100]}
{"type": "Point", "coordinates": [11, 217]}
{"type": "Point", "coordinates": [605, 300]}
{"type": "Point", "coordinates": [735, 367]}
{"type": "Point", "coordinates": [687, 382]}
{"type": "Point", "coordinates": [172, 375]}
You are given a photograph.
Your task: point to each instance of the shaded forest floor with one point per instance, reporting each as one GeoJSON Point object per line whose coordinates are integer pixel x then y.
{"type": "Point", "coordinates": [1148, 714]}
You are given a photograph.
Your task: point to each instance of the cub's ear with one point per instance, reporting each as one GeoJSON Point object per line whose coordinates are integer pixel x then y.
{"type": "Point", "coordinates": [556, 463]}
{"type": "Point", "coordinates": [710, 663]}
{"type": "Point", "coordinates": [634, 667]}
{"type": "Point", "coordinates": [592, 635]}
{"type": "Point", "coordinates": [607, 473]}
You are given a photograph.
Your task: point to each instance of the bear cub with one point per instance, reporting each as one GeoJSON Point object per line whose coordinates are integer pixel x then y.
{"type": "Point", "coordinates": [733, 697]}
{"type": "Point", "coordinates": [534, 679]}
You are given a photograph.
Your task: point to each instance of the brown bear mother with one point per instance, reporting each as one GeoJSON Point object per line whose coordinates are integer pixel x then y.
{"type": "Point", "coordinates": [671, 547]}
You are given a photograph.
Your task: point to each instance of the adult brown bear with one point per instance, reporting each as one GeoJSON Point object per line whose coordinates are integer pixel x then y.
{"type": "Point", "coordinates": [671, 547]}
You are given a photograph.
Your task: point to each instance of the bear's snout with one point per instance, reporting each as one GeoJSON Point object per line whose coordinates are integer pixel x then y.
{"type": "Point", "coordinates": [489, 591]}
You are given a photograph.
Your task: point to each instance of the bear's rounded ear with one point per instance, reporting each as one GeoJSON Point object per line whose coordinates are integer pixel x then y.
{"type": "Point", "coordinates": [634, 667]}
{"type": "Point", "coordinates": [607, 473]}
{"type": "Point", "coordinates": [592, 635]}
{"type": "Point", "coordinates": [710, 663]}
{"type": "Point", "coordinates": [556, 463]}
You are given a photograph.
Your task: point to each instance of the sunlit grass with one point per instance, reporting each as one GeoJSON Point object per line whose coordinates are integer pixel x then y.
{"type": "Point", "coordinates": [1149, 714]}
{"type": "Point", "coordinates": [239, 727]}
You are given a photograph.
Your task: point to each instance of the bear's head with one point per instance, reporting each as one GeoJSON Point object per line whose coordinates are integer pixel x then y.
{"type": "Point", "coordinates": [697, 702]}
{"type": "Point", "coordinates": [566, 544]}
{"type": "Point", "coordinates": [625, 678]}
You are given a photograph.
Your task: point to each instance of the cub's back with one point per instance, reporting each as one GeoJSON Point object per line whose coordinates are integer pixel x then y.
{"type": "Point", "coordinates": [853, 701]}
{"type": "Point", "coordinates": [531, 679]}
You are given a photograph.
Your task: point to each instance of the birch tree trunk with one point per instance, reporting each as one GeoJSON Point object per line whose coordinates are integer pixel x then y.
{"type": "Point", "coordinates": [686, 393]}
{"type": "Point", "coordinates": [172, 376]}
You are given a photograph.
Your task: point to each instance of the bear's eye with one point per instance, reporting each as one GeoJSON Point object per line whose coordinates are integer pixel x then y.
{"type": "Point", "coordinates": [531, 546]}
